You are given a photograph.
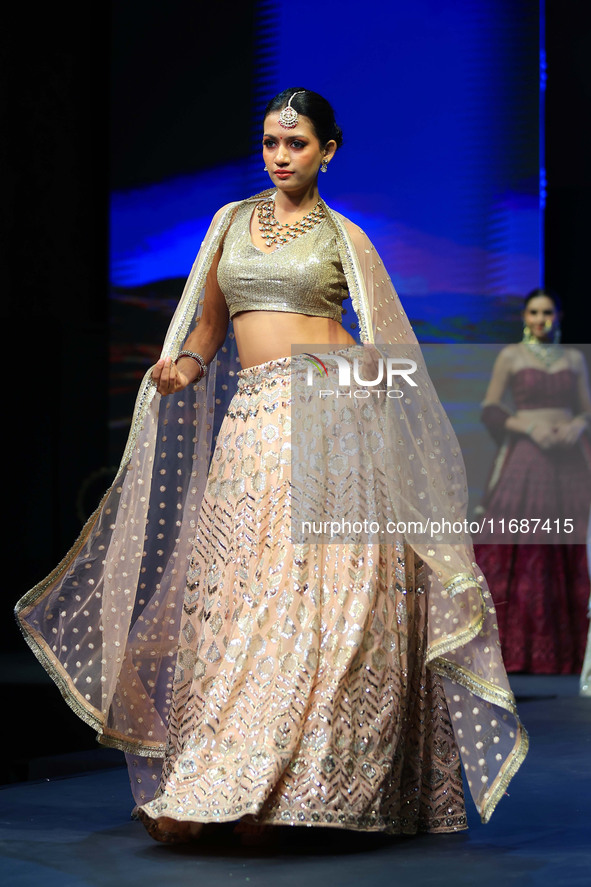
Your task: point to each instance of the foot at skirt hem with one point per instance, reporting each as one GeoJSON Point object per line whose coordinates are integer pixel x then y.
{"type": "Point", "coordinates": [448, 825]}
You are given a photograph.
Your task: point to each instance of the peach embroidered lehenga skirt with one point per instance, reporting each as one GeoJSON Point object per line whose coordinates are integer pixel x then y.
{"type": "Point", "coordinates": [301, 695]}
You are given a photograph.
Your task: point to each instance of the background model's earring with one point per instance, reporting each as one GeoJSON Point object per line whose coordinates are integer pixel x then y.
{"type": "Point", "coordinates": [265, 169]}
{"type": "Point", "coordinates": [528, 336]}
{"type": "Point", "coordinates": [324, 166]}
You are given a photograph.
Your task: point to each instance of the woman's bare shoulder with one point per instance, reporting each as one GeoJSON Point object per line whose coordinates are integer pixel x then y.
{"type": "Point", "coordinates": [353, 230]}
{"type": "Point", "coordinates": [353, 227]}
{"type": "Point", "coordinates": [575, 357]}
{"type": "Point", "coordinates": [224, 209]}
{"type": "Point", "coordinates": [508, 355]}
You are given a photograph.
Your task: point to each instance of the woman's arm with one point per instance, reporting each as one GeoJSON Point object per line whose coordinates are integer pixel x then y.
{"type": "Point", "coordinates": [570, 433]}
{"type": "Point", "coordinates": [206, 338]}
{"type": "Point", "coordinates": [495, 415]}
{"type": "Point", "coordinates": [583, 390]}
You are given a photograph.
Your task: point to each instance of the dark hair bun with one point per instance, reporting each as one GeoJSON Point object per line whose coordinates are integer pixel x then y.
{"type": "Point", "coordinates": [313, 106]}
{"type": "Point", "coordinates": [543, 292]}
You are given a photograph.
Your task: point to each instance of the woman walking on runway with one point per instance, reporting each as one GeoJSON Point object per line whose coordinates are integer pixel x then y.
{"type": "Point", "coordinates": [251, 676]}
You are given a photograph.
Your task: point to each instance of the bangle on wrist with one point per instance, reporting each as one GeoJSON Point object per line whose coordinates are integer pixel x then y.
{"type": "Point", "coordinates": [200, 360]}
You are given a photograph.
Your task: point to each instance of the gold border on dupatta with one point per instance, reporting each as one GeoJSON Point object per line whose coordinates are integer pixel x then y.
{"type": "Point", "coordinates": [484, 690]}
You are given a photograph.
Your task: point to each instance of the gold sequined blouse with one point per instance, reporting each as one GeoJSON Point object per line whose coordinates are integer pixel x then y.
{"type": "Point", "coordinates": [304, 276]}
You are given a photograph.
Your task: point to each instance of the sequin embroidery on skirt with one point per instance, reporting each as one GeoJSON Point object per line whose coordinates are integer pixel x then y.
{"type": "Point", "coordinates": [301, 695]}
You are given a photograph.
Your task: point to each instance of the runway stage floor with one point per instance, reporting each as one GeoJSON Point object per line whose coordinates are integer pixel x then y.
{"type": "Point", "coordinates": [76, 831]}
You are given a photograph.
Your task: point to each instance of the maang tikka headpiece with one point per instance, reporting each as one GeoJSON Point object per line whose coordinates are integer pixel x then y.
{"type": "Point", "coordinates": [289, 116]}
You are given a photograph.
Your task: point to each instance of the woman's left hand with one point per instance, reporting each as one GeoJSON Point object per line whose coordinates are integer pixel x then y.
{"type": "Point", "coordinates": [569, 433]}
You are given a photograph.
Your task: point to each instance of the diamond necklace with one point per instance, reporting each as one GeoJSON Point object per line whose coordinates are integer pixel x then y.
{"type": "Point", "coordinates": [275, 232]}
{"type": "Point", "coordinates": [546, 352]}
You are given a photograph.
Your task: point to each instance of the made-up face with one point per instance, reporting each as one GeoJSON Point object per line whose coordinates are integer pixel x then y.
{"type": "Point", "coordinates": [293, 156]}
{"type": "Point", "coordinates": [540, 316]}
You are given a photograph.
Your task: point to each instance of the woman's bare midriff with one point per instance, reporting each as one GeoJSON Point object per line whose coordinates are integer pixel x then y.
{"type": "Point", "coordinates": [269, 335]}
{"type": "Point", "coordinates": [547, 415]}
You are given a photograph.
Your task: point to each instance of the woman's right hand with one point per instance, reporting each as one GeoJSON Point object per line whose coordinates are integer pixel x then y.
{"type": "Point", "coordinates": [168, 378]}
{"type": "Point", "coordinates": [570, 432]}
{"type": "Point", "coordinates": [544, 435]}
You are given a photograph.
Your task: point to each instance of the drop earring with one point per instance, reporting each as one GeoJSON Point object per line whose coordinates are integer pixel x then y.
{"type": "Point", "coordinates": [528, 336]}
{"type": "Point", "coordinates": [324, 166]}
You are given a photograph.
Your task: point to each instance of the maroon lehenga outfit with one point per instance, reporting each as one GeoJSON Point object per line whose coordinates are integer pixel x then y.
{"type": "Point", "coordinates": [541, 591]}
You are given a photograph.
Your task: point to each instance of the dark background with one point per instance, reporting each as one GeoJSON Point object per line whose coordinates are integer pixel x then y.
{"type": "Point", "coordinates": [67, 136]}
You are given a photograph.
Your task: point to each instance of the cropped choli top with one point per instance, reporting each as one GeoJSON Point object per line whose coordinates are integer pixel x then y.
{"type": "Point", "coordinates": [535, 389]}
{"type": "Point", "coordinates": [304, 276]}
